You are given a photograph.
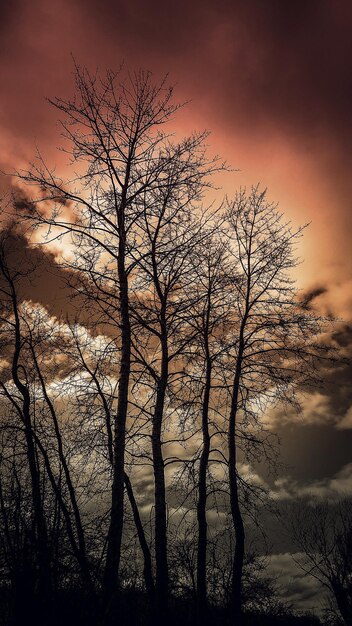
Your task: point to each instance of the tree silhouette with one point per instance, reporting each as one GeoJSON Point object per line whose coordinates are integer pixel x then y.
{"type": "Point", "coordinates": [272, 348]}
{"type": "Point", "coordinates": [188, 328]}
{"type": "Point", "coordinates": [323, 534]}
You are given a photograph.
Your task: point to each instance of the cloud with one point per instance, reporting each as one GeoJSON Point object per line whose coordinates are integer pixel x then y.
{"type": "Point", "coordinates": [251, 477]}
{"type": "Point", "coordinates": [346, 421]}
{"type": "Point", "coordinates": [332, 488]}
{"type": "Point", "coordinates": [315, 408]}
{"type": "Point", "coordinates": [302, 591]}
{"type": "Point", "coordinates": [309, 296]}
{"type": "Point", "coordinates": [335, 299]}
{"type": "Point", "coordinates": [330, 402]}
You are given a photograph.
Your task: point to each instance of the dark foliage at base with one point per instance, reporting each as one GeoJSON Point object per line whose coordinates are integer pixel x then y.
{"type": "Point", "coordinates": [75, 608]}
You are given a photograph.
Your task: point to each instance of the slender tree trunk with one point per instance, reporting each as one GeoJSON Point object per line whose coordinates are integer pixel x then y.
{"type": "Point", "coordinates": [147, 570]}
{"type": "Point", "coordinates": [44, 573]}
{"type": "Point", "coordinates": [111, 573]}
{"type": "Point", "coordinates": [238, 560]}
{"type": "Point", "coordinates": [162, 573]}
{"type": "Point", "coordinates": [342, 601]}
{"type": "Point", "coordinates": [42, 548]}
{"type": "Point", "coordinates": [202, 499]}
{"type": "Point", "coordinates": [76, 548]}
{"type": "Point", "coordinates": [80, 550]}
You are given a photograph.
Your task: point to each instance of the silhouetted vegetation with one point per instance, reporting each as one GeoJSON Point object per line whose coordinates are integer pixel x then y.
{"type": "Point", "coordinates": [128, 431]}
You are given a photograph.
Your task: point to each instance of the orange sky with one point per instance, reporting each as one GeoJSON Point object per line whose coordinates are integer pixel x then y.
{"type": "Point", "coordinates": [272, 80]}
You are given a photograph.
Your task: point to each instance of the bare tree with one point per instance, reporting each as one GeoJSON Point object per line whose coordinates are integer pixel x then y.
{"type": "Point", "coordinates": [209, 312]}
{"type": "Point", "coordinates": [162, 332]}
{"type": "Point", "coordinates": [272, 350]}
{"type": "Point", "coordinates": [322, 533]}
{"type": "Point", "coordinates": [115, 137]}
{"type": "Point", "coordinates": [34, 339]}
{"type": "Point", "coordinates": [203, 331]}
{"type": "Point", "coordinates": [132, 180]}
{"type": "Point", "coordinates": [18, 557]}
{"type": "Point", "coordinates": [96, 366]}
{"type": "Point", "coordinates": [22, 404]}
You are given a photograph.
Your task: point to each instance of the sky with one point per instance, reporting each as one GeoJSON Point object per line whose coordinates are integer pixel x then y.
{"type": "Point", "coordinates": [272, 81]}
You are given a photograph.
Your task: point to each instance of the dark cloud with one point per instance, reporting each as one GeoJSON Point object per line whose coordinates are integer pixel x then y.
{"type": "Point", "coordinates": [343, 336]}
{"type": "Point", "coordinates": [40, 278]}
{"type": "Point", "coordinates": [317, 441]}
{"type": "Point", "coordinates": [309, 296]}
{"type": "Point", "coordinates": [314, 451]}
{"type": "Point", "coordinates": [337, 379]}
{"type": "Point", "coordinates": [44, 278]}
{"type": "Point", "coordinates": [21, 201]}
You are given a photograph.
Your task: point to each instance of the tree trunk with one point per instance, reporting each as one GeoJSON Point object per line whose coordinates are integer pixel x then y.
{"type": "Point", "coordinates": [80, 550]}
{"type": "Point", "coordinates": [342, 601]}
{"type": "Point", "coordinates": [111, 574]}
{"type": "Point", "coordinates": [147, 570]}
{"type": "Point", "coordinates": [42, 548]}
{"type": "Point", "coordinates": [148, 574]}
{"type": "Point", "coordinates": [202, 501]}
{"type": "Point", "coordinates": [162, 574]}
{"type": "Point", "coordinates": [76, 548]}
{"type": "Point", "coordinates": [238, 559]}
